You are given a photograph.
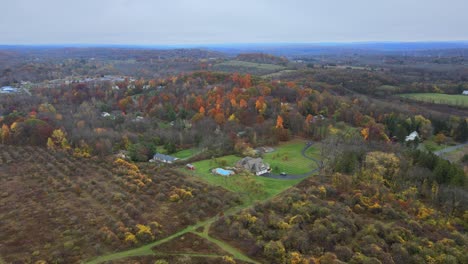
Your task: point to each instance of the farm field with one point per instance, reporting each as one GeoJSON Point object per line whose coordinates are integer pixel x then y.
{"type": "Point", "coordinates": [80, 208]}
{"type": "Point", "coordinates": [247, 67]}
{"type": "Point", "coordinates": [436, 98]}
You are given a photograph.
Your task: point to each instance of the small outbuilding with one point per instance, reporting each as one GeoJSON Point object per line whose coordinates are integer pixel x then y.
{"type": "Point", "coordinates": [190, 167]}
{"type": "Point", "coordinates": [465, 92]}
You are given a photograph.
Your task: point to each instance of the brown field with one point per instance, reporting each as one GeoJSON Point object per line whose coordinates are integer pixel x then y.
{"type": "Point", "coordinates": [62, 209]}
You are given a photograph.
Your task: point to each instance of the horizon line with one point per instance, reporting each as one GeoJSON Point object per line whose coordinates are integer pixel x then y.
{"type": "Point", "coordinates": [232, 43]}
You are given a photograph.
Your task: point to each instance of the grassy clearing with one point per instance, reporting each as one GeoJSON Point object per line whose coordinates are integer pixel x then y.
{"type": "Point", "coordinates": [435, 98]}
{"type": "Point", "coordinates": [430, 145]}
{"type": "Point", "coordinates": [185, 154]}
{"type": "Point", "coordinates": [288, 158]}
{"type": "Point", "coordinates": [270, 187]}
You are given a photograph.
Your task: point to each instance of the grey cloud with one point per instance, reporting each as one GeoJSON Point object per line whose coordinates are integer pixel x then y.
{"type": "Point", "coordinates": [210, 21]}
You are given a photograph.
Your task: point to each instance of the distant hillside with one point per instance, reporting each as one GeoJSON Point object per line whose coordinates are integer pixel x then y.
{"type": "Point", "coordinates": [310, 49]}
{"type": "Point", "coordinates": [262, 58]}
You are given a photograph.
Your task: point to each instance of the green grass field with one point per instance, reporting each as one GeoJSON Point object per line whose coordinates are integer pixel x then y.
{"type": "Point", "coordinates": [287, 158]}
{"type": "Point", "coordinates": [186, 153]}
{"type": "Point", "coordinates": [435, 98]}
{"type": "Point", "coordinates": [430, 145]}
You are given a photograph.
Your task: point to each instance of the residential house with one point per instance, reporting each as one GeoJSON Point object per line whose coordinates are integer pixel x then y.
{"type": "Point", "coordinates": [413, 136]}
{"type": "Point", "coordinates": [190, 167]}
{"type": "Point", "coordinates": [254, 165]}
{"type": "Point", "coordinates": [164, 158]}
{"type": "Point", "coordinates": [465, 92]}
{"type": "Point", "coordinates": [8, 90]}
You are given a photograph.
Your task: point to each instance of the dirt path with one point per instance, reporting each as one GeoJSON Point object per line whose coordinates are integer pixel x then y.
{"type": "Point", "coordinates": [228, 248]}
{"type": "Point", "coordinates": [147, 250]}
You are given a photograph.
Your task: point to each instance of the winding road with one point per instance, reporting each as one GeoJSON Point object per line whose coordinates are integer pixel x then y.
{"type": "Point", "coordinates": [450, 149]}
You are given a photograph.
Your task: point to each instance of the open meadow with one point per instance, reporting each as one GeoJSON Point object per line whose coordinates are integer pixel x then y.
{"type": "Point", "coordinates": [436, 98]}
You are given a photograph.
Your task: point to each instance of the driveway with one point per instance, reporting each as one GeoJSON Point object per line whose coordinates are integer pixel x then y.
{"type": "Point", "coordinates": [450, 149]}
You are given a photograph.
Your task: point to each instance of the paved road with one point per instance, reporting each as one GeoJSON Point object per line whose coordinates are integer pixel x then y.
{"type": "Point", "coordinates": [297, 176]}
{"type": "Point", "coordinates": [450, 149]}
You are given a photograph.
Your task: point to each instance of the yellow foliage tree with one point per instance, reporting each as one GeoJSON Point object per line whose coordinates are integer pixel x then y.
{"type": "Point", "coordinates": [130, 238]}
{"type": "Point", "coordinates": [144, 233]}
{"type": "Point", "coordinates": [233, 117]}
{"type": "Point", "coordinates": [365, 133]}
{"type": "Point", "coordinates": [5, 133]}
{"type": "Point", "coordinates": [228, 260]}
{"type": "Point", "coordinates": [384, 164]}
{"type": "Point", "coordinates": [46, 107]}
{"type": "Point", "coordinates": [296, 258]}
{"type": "Point", "coordinates": [58, 141]}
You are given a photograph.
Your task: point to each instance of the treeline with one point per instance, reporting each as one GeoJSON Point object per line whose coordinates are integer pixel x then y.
{"type": "Point", "coordinates": [207, 110]}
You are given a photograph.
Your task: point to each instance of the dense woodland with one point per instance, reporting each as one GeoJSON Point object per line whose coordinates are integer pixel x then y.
{"type": "Point", "coordinates": [377, 198]}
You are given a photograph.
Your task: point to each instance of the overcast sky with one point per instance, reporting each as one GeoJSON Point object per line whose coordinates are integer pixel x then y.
{"type": "Point", "coordinates": [230, 21]}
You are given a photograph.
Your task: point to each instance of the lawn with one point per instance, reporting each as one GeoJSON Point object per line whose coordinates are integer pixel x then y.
{"type": "Point", "coordinates": [430, 145]}
{"type": "Point", "coordinates": [287, 158]}
{"type": "Point", "coordinates": [436, 98]}
{"type": "Point", "coordinates": [185, 154]}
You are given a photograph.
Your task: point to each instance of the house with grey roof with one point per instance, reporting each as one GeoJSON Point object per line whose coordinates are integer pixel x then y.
{"type": "Point", "coordinates": [8, 90]}
{"type": "Point", "coordinates": [254, 165]}
{"type": "Point", "coordinates": [164, 158]}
